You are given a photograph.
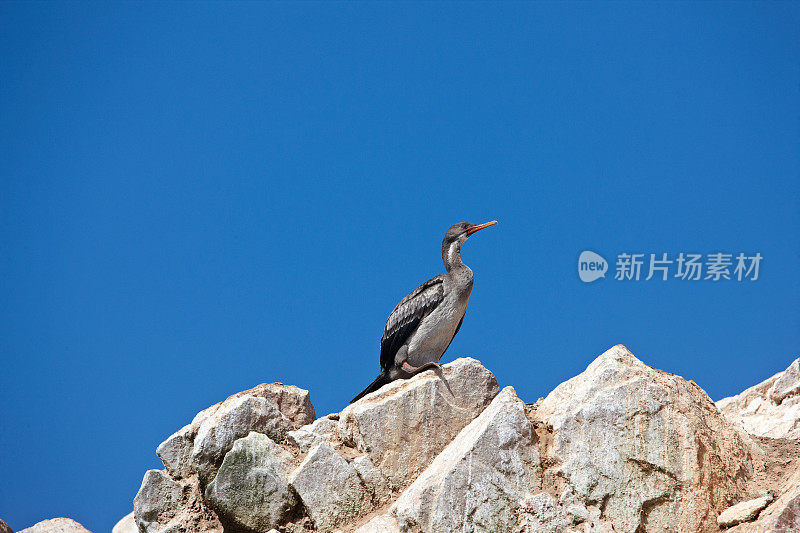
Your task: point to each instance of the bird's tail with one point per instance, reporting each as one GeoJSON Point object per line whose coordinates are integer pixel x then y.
{"type": "Point", "coordinates": [380, 381]}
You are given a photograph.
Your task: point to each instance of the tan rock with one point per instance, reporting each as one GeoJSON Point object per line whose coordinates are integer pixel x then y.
{"type": "Point", "coordinates": [56, 525]}
{"type": "Point", "coordinates": [743, 511]}
{"type": "Point", "coordinates": [293, 402]}
{"type": "Point", "coordinates": [769, 409]}
{"type": "Point", "coordinates": [649, 447]}
{"type": "Point", "coordinates": [476, 482]}
{"type": "Point", "coordinates": [781, 516]}
{"type": "Point", "coordinates": [164, 505]}
{"type": "Point", "coordinates": [404, 425]}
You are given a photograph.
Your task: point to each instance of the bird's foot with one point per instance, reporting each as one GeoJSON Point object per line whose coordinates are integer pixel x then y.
{"type": "Point", "coordinates": [417, 369]}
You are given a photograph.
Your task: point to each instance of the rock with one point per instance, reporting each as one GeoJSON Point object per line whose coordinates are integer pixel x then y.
{"type": "Point", "coordinates": [330, 488]}
{"type": "Point", "coordinates": [250, 490]}
{"type": "Point", "coordinates": [380, 524]}
{"type": "Point", "coordinates": [476, 482]}
{"type": "Point", "coordinates": [648, 447]}
{"type": "Point", "coordinates": [293, 402]}
{"type": "Point", "coordinates": [126, 525]}
{"type": "Point", "coordinates": [4, 528]}
{"type": "Point", "coordinates": [373, 480]}
{"type": "Point", "coordinates": [176, 452]}
{"type": "Point", "coordinates": [307, 436]}
{"type": "Point", "coordinates": [166, 505]}
{"type": "Point", "coordinates": [542, 513]}
{"type": "Point", "coordinates": [743, 511]}
{"type": "Point", "coordinates": [404, 425]}
{"type": "Point", "coordinates": [233, 420]}
{"type": "Point", "coordinates": [56, 525]}
{"type": "Point", "coordinates": [769, 409]}
{"type": "Point", "coordinates": [782, 515]}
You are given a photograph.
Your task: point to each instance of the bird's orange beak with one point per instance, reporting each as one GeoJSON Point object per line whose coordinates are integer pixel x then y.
{"type": "Point", "coordinates": [479, 227]}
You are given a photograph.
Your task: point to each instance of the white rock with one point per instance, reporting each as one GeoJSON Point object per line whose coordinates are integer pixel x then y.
{"type": "Point", "coordinates": [769, 409]}
{"type": "Point", "coordinates": [647, 445]}
{"type": "Point", "coordinates": [373, 480]}
{"type": "Point", "coordinates": [250, 489]}
{"type": "Point", "coordinates": [476, 482]}
{"type": "Point", "coordinates": [404, 425]}
{"type": "Point", "coordinates": [330, 488]}
{"type": "Point", "coordinates": [542, 513]}
{"type": "Point", "coordinates": [307, 436]}
{"type": "Point", "coordinates": [233, 420]}
{"type": "Point", "coordinates": [56, 525]}
{"type": "Point", "coordinates": [380, 524]}
{"type": "Point", "coordinates": [743, 511]}
{"type": "Point", "coordinates": [126, 525]}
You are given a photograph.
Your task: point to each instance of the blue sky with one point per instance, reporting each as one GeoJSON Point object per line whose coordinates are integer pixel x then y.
{"type": "Point", "coordinates": [197, 198]}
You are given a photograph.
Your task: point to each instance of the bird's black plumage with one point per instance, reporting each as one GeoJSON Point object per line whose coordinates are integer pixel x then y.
{"type": "Point", "coordinates": [406, 317]}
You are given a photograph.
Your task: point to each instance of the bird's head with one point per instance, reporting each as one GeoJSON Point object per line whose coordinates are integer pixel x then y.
{"type": "Point", "coordinates": [463, 230]}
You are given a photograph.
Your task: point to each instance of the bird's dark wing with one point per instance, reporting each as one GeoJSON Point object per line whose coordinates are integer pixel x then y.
{"type": "Point", "coordinates": [458, 327]}
{"type": "Point", "coordinates": [406, 317]}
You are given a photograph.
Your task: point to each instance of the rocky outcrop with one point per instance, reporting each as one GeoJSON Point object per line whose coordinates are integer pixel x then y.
{"type": "Point", "coordinates": [622, 447]}
{"type": "Point", "coordinates": [56, 525]}
{"type": "Point", "coordinates": [769, 409]}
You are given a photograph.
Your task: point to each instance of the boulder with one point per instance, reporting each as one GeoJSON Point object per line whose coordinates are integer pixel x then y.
{"type": "Point", "coordinates": [330, 488]}
{"type": "Point", "coordinates": [233, 420]}
{"type": "Point", "coordinates": [165, 505]}
{"type": "Point", "coordinates": [647, 447]}
{"type": "Point", "coordinates": [56, 525]}
{"type": "Point", "coordinates": [250, 490]}
{"type": "Point", "coordinates": [126, 525]}
{"type": "Point", "coordinates": [769, 409]}
{"type": "Point", "coordinates": [404, 425]}
{"type": "Point", "coordinates": [476, 482]}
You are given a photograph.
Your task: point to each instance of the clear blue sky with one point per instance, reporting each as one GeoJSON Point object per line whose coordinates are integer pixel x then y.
{"type": "Point", "coordinates": [197, 198]}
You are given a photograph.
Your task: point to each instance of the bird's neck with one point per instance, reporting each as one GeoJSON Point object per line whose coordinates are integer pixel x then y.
{"type": "Point", "coordinates": [451, 255]}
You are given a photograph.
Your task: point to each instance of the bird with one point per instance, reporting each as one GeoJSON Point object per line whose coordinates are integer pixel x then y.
{"type": "Point", "coordinates": [421, 327]}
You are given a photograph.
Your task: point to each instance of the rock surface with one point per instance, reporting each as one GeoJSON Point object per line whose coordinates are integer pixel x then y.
{"type": "Point", "coordinates": [250, 490]}
{"type": "Point", "coordinates": [622, 447]}
{"type": "Point", "coordinates": [56, 525]}
{"type": "Point", "coordinates": [330, 488]}
{"type": "Point", "coordinates": [769, 409]}
{"type": "Point", "coordinates": [649, 448]}
{"type": "Point", "coordinates": [126, 525]}
{"type": "Point", "coordinates": [404, 425]}
{"type": "Point", "coordinates": [743, 511]}
{"type": "Point", "coordinates": [476, 482]}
